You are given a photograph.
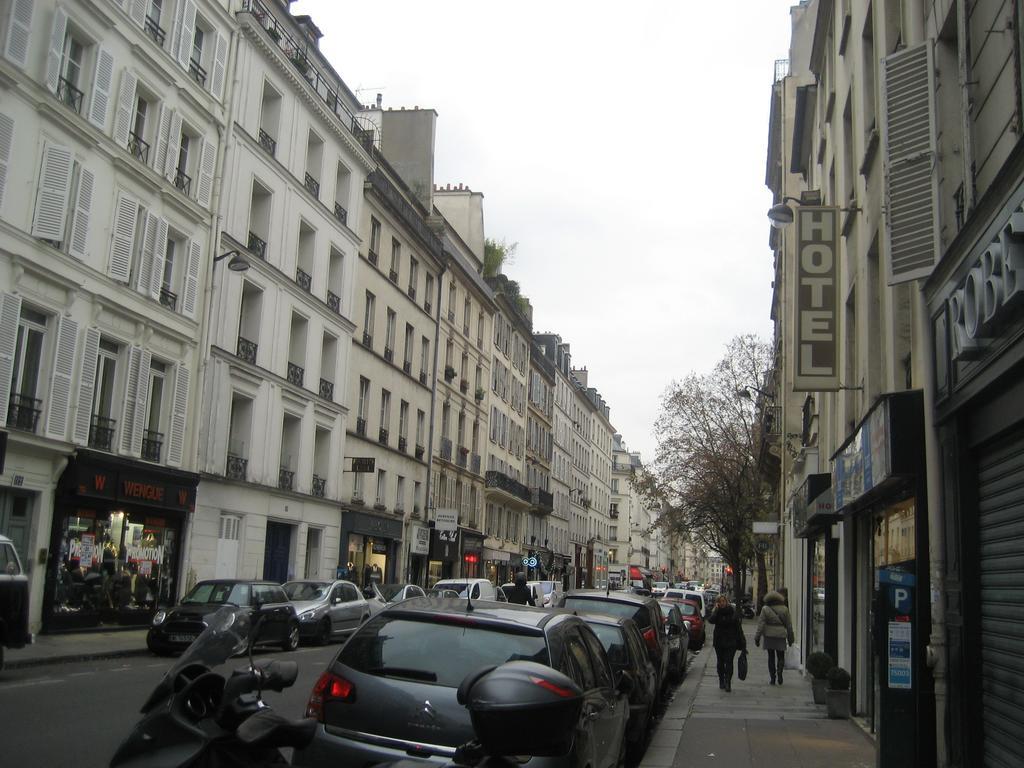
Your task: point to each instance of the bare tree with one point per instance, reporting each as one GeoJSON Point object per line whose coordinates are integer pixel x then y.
{"type": "Point", "coordinates": [705, 470]}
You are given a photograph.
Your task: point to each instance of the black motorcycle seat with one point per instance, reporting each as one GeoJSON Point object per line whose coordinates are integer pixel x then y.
{"type": "Point", "coordinates": [268, 729]}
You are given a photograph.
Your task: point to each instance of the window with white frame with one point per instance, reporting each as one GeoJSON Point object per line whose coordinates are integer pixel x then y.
{"type": "Point", "coordinates": [156, 412]}
{"type": "Point", "coordinates": [382, 486]}
{"type": "Point", "coordinates": [25, 398]}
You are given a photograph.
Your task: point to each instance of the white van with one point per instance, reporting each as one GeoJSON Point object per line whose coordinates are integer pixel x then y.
{"type": "Point", "coordinates": [478, 589]}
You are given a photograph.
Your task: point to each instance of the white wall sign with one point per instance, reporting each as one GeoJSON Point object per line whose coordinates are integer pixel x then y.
{"type": "Point", "coordinates": [446, 520]}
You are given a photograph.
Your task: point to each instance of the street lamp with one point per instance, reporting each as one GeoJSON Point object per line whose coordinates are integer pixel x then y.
{"type": "Point", "coordinates": [238, 262]}
{"type": "Point", "coordinates": [744, 393]}
{"type": "Point", "coordinates": [781, 215]}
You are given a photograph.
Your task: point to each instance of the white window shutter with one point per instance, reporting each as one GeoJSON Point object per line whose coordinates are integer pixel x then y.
{"type": "Point", "coordinates": [156, 276]}
{"type": "Point", "coordinates": [124, 117]}
{"type": "Point", "coordinates": [123, 237]}
{"type": "Point", "coordinates": [173, 145]}
{"type": "Point", "coordinates": [6, 144]}
{"type": "Point", "coordinates": [911, 175]}
{"type": "Point", "coordinates": [179, 410]}
{"type": "Point", "coordinates": [186, 32]}
{"type": "Point", "coordinates": [137, 11]}
{"type": "Point", "coordinates": [80, 220]}
{"type": "Point", "coordinates": [207, 162]}
{"type": "Point", "coordinates": [188, 302]}
{"type": "Point", "coordinates": [60, 382]}
{"type": "Point", "coordinates": [102, 80]}
{"type": "Point", "coordinates": [144, 272]}
{"type": "Point", "coordinates": [19, 24]}
{"type": "Point", "coordinates": [141, 403]}
{"type": "Point", "coordinates": [50, 217]}
{"type": "Point", "coordinates": [163, 132]}
{"type": "Point", "coordinates": [131, 391]}
{"type": "Point", "coordinates": [56, 50]}
{"type": "Point", "coordinates": [220, 62]}
{"type": "Point", "coordinates": [10, 314]}
{"type": "Point", "coordinates": [86, 386]}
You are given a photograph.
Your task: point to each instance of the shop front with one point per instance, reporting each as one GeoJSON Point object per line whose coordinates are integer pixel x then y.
{"type": "Point", "coordinates": [419, 552]}
{"type": "Point", "coordinates": [115, 544]}
{"type": "Point", "coordinates": [371, 545]}
{"type": "Point", "coordinates": [814, 515]}
{"type": "Point", "coordinates": [444, 555]}
{"type": "Point", "coordinates": [472, 553]}
{"type": "Point", "coordinates": [879, 489]}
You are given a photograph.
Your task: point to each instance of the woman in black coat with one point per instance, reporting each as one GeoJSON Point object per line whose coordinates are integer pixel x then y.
{"type": "Point", "coordinates": [729, 638]}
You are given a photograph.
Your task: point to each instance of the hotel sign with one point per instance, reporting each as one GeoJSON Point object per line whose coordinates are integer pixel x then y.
{"type": "Point", "coordinates": [816, 362]}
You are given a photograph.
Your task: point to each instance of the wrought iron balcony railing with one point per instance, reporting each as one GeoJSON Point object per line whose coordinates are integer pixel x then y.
{"type": "Point", "coordinates": [182, 181]}
{"type": "Point", "coordinates": [501, 481]}
{"type": "Point", "coordinates": [361, 426]}
{"type": "Point", "coordinates": [334, 302]}
{"type": "Point", "coordinates": [197, 72]}
{"type": "Point", "coordinates": [402, 444]}
{"type": "Point", "coordinates": [412, 292]}
{"type": "Point", "coordinates": [326, 389]}
{"type": "Point", "coordinates": [23, 412]}
{"type": "Point", "coordinates": [420, 450]}
{"type": "Point", "coordinates": [446, 449]}
{"type": "Point", "coordinates": [304, 280]}
{"type": "Point", "coordinates": [382, 436]}
{"type": "Point", "coordinates": [138, 148]}
{"type": "Point", "coordinates": [101, 432]}
{"type": "Point", "coordinates": [464, 386]}
{"type": "Point", "coordinates": [341, 214]}
{"type": "Point", "coordinates": [367, 340]}
{"type": "Point", "coordinates": [67, 93]}
{"type": "Point", "coordinates": [393, 276]}
{"type": "Point", "coordinates": [474, 464]}
{"type": "Point", "coordinates": [247, 350]}
{"type": "Point", "coordinates": [371, 256]}
{"type": "Point", "coordinates": [451, 315]}
{"type": "Point", "coordinates": [152, 442]}
{"type": "Point", "coordinates": [407, 366]}
{"type": "Point", "coordinates": [545, 501]}
{"type": "Point", "coordinates": [169, 299]}
{"type": "Point", "coordinates": [427, 307]}
{"type": "Point", "coordinates": [462, 457]}
{"type": "Point", "coordinates": [319, 486]}
{"type": "Point", "coordinates": [286, 479]}
{"type": "Point", "coordinates": [257, 245]}
{"type": "Point", "coordinates": [389, 354]}
{"type": "Point", "coordinates": [423, 378]}
{"type": "Point", "coordinates": [312, 185]}
{"type": "Point", "coordinates": [296, 374]}
{"type": "Point", "coordinates": [268, 142]}
{"type": "Point", "coordinates": [237, 467]}
{"type": "Point", "coordinates": [155, 31]}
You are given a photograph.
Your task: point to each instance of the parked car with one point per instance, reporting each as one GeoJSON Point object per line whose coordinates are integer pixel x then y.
{"type": "Point", "coordinates": [552, 592]}
{"type": "Point", "coordinates": [688, 594]}
{"type": "Point", "coordinates": [380, 596]}
{"type": "Point", "coordinates": [13, 599]}
{"type": "Point", "coordinates": [535, 592]}
{"type": "Point", "coordinates": [678, 636]}
{"type": "Point", "coordinates": [643, 610]}
{"type": "Point", "coordinates": [174, 629]}
{"type": "Point", "coordinates": [658, 588]}
{"type": "Point", "coordinates": [326, 609]}
{"type": "Point", "coordinates": [391, 690]}
{"type": "Point", "coordinates": [477, 589]}
{"type": "Point", "coordinates": [694, 622]}
{"type": "Point", "coordinates": [624, 644]}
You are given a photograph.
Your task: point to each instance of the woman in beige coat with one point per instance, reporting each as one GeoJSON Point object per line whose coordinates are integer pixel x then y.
{"type": "Point", "coordinates": [775, 625]}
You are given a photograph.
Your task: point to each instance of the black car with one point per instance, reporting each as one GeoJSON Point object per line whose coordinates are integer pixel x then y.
{"type": "Point", "coordinates": [643, 610]}
{"type": "Point", "coordinates": [678, 638]}
{"type": "Point", "coordinates": [174, 629]}
{"type": "Point", "coordinates": [391, 691]}
{"type": "Point", "coordinates": [627, 654]}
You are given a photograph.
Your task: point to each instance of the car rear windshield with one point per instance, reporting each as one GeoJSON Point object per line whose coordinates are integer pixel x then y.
{"type": "Point", "coordinates": [687, 609]}
{"type": "Point", "coordinates": [637, 613]}
{"type": "Point", "coordinates": [434, 652]}
{"type": "Point", "coordinates": [212, 592]}
{"type": "Point", "coordinates": [306, 590]}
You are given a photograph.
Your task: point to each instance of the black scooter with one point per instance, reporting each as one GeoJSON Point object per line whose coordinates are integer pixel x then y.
{"type": "Point", "coordinates": [196, 717]}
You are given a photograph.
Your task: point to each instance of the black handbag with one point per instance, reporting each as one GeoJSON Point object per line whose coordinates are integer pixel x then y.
{"type": "Point", "coordinates": [741, 666]}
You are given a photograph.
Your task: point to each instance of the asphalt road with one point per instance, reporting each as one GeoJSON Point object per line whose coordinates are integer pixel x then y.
{"type": "Point", "coordinates": [76, 714]}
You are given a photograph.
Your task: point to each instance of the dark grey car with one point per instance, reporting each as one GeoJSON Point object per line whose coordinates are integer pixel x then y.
{"type": "Point", "coordinates": [391, 691]}
{"type": "Point", "coordinates": [327, 609]}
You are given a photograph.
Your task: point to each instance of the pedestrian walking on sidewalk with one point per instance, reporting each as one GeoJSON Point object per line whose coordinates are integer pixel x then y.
{"type": "Point", "coordinates": [729, 638]}
{"type": "Point", "coordinates": [775, 625]}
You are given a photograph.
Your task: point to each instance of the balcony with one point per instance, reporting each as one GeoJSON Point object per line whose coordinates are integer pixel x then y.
{"type": "Point", "coordinates": [371, 256]}
{"type": "Point", "coordinates": [334, 302]}
{"type": "Point", "coordinates": [415, 220]}
{"type": "Point", "coordinates": [182, 181]}
{"type": "Point", "coordinates": [502, 482]}
{"type": "Point", "coordinates": [427, 307]}
{"type": "Point", "coordinates": [389, 354]}
{"type": "Point", "coordinates": [296, 374]}
{"type": "Point", "coordinates": [138, 148]}
{"type": "Point", "coordinates": [462, 457]}
{"type": "Point", "coordinates": [312, 185]}
{"type": "Point", "coordinates": [341, 214]}
{"type": "Point", "coordinates": [367, 340]}
{"type": "Point", "coordinates": [246, 350]}
{"type": "Point", "coordinates": [474, 464]}
{"type": "Point", "coordinates": [446, 449]}
{"type": "Point", "coordinates": [423, 378]}
{"type": "Point", "coordinates": [327, 389]}
{"type": "Point", "coordinates": [412, 292]}
{"type": "Point", "coordinates": [101, 433]}
{"type": "Point", "coordinates": [543, 501]}
{"type": "Point", "coordinates": [286, 479]}
{"type": "Point", "coordinates": [319, 486]}
{"type": "Point", "coordinates": [236, 467]}
{"type": "Point", "coordinates": [67, 93]}
{"type": "Point", "coordinates": [155, 31]}
{"type": "Point", "coordinates": [152, 442]}
{"type": "Point", "coordinates": [393, 276]}
{"type": "Point", "coordinates": [197, 72]}
{"type": "Point", "coordinates": [23, 412]}
{"type": "Point", "coordinates": [382, 436]}
{"type": "Point", "coordinates": [420, 450]}
{"type": "Point", "coordinates": [257, 245]}
{"type": "Point", "coordinates": [268, 142]}
{"type": "Point", "coordinates": [304, 280]}
{"type": "Point", "coordinates": [407, 367]}
{"type": "Point", "coordinates": [169, 299]}
{"type": "Point", "coordinates": [613, 513]}
{"type": "Point", "coordinates": [403, 444]}
{"type": "Point", "coordinates": [361, 426]}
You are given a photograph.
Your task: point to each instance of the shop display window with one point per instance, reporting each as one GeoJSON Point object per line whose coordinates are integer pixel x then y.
{"type": "Point", "coordinates": [367, 559]}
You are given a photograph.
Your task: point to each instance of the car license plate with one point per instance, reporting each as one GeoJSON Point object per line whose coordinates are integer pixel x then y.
{"type": "Point", "coordinates": [182, 638]}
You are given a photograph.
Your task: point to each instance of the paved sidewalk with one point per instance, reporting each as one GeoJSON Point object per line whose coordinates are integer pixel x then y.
{"type": "Point", "coordinates": [78, 646]}
{"type": "Point", "coordinates": [757, 725]}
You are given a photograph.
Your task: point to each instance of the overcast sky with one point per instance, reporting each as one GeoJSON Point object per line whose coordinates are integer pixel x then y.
{"type": "Point", "coordinates": [621, 145]}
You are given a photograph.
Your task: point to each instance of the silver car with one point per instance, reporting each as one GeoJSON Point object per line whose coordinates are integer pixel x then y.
{"type": "Point", "coordinates": [380, 596]}
{"type": "Point", "coordinates": [327, 609]}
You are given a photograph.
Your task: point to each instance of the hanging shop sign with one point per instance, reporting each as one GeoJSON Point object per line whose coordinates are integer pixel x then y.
{"type": "Point", "coordinates": [444, 545]}
{"type": "Point", "coordinates": [363, 464]}
{"type": "Point", "coordinates": [420, 544]}
{"type": "Point", "coordinates": [816, 361]}
{"type": "Point", "coordinates": [446, 520]}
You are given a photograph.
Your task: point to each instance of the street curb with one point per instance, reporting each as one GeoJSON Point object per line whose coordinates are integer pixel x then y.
{"type": "Point", "coordinates": [15, 663]}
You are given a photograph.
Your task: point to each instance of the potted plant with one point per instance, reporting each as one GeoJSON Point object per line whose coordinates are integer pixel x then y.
{"type": "Point", "coordinates": [449, 373]}
{"type": "Point", "coordinates": [479, 394]}
{"type": "Point", "coordinates": [819, 664]}
{"type": "Point", "coordinates": [838, 693]}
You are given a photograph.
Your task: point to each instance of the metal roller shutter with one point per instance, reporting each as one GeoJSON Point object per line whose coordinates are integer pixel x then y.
{"type": "Point", "coordinates": [1001, 537]}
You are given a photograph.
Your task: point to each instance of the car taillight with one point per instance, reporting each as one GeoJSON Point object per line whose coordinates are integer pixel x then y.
{"type": "Point", "coordinates": [651, 638]}
{"type": "Point", "coordinates": [329, 687]}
